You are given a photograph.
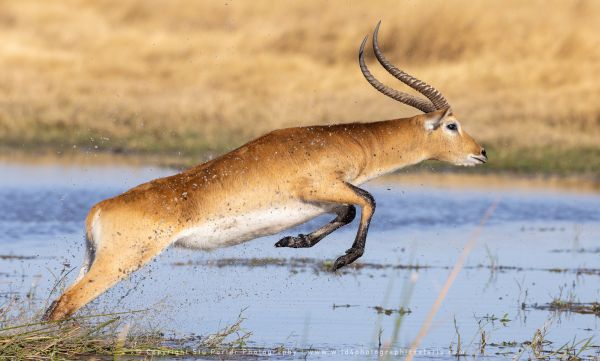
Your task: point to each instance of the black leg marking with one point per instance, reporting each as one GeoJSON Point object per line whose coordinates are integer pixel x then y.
{"type": "Point", "coordinates": [49, 311]}
{"type": "Point", "coordinates": [358, 247]}
{"type": "Point", "coordinates": [345, 215]}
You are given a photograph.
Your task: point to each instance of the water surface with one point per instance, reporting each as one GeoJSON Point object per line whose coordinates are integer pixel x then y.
{"type": "Point", "coordinates": [537, 246]}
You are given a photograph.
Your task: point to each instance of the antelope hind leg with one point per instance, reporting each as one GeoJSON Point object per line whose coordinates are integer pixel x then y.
{"type": "Point", "coordinates": [107, 269]}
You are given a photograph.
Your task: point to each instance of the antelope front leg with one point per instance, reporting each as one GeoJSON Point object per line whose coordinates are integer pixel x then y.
{"type": "Point", "coordinates": [367, 205]}
{"type": "Point", "coordinates": [346, 193]}
{"type": "Point", "coordinates": [345, 215]}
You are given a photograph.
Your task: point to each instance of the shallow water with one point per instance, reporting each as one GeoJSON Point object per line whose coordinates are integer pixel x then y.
{"type": "Point", "coordinates": [528, 252]}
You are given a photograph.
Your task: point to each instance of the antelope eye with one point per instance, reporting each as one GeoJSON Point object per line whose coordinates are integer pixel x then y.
{"type": "Point", "coordinates": [452, 126]}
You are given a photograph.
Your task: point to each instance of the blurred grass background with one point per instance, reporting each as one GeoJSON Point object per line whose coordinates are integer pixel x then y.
{"type": "Point", "coordinates": [191, 77]}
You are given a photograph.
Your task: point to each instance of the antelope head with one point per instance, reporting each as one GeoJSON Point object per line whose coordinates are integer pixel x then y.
{"type": "Point", "coordinates": [443, 137]}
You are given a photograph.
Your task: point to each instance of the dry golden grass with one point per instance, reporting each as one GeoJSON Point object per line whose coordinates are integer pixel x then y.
{"type": "Point", "coordinates": [189, 76]}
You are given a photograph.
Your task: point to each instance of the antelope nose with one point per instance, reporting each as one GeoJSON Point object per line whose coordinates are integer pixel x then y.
{"type": "Point", "coordinates": [483, 153]}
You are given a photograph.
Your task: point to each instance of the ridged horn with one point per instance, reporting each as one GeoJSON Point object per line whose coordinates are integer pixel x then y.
{"type": "Point", "coordinates": [427, 90]}
{"type": "Point", "coordinates": [421, 104]}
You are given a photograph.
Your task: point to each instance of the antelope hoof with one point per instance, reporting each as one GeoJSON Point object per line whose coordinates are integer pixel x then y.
{"type": "Point", "coordinates": [56, 312]}
{"type": "Point", "coordinates": [301, 241]}
{"type": "Point", "coordinates": [49, 311]}
{"type": "Point", "coordinates": [351, 255]}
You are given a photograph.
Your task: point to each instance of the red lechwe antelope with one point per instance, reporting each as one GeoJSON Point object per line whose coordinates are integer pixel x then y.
{"type": "Point", "coordinates": [273, 183]}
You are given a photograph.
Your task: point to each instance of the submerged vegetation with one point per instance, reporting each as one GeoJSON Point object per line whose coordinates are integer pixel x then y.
{"type": "Point", "coordinates": [389, 311]}
{"type": "Point", "coordinates": [166, 78]}
{"type": "Point", "coordinates": [591, 308]}
{"type": "Point", "coordinates": [315, 265]}
{"type": "Point", "coordinates": [22, 337]}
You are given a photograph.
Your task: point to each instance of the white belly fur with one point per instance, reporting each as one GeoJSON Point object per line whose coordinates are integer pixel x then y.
{"type": "Point", "coordinates": [240, 228]}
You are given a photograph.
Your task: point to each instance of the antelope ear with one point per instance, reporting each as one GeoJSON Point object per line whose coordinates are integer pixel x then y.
{"type": "Point", "coordinates": [435, 119]}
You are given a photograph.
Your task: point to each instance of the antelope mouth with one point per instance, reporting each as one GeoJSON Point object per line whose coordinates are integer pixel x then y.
{"type": "Point", "coordinates": [472, 161]}
{"type": "Point", "coordinates": [481, 160]}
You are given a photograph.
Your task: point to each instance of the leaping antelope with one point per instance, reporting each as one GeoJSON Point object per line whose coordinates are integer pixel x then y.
{"type": "Point", "coordinates": [270, 184]}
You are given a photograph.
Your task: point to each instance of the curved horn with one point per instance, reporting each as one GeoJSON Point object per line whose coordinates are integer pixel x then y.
{"type": "Point", "coordinates": [430, 92]}
{"type": "Point", "coordinates": [421, 104]}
